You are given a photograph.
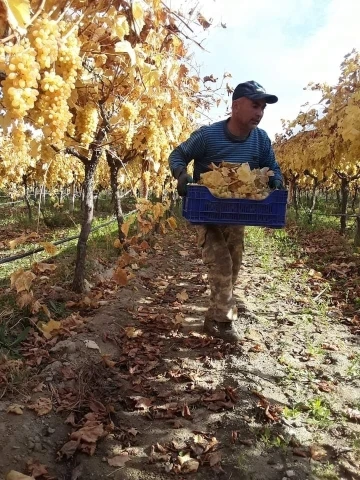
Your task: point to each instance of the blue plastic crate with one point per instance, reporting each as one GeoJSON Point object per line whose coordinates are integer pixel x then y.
{"type": "Point", "coordinates": [200, 206]}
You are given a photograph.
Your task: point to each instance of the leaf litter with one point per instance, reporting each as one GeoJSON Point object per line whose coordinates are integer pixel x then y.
{"type": "Point", "coordinates": [172, 394]}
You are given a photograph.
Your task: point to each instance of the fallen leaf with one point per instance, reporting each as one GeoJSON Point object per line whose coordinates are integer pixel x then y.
{"type": "Point", "coordinates": [317, 452]}
{"type": "Point", "coordinates": [15, 409]}
{"type": "Point", "coordinates": [182, 296]}
{"type": "Point", "coordinates": [42, 406]}
{"type": "Point", "coordinates": [25, 299]}
{"type": "Point", "coordinates": [109, 363]}
{"type": "Point", "coordinates": [70, 420]}
{"type": "Point", "coordinates": [132, 332]}
{"type": "Point", "coordinates": [49, 248]}
{"type": "Point", "coordinates": [119, 460]}
{"type": "Point", "coordinates": [190, 466]}
{"type": "Point", "coordinates": [353, 414]}
{"type": "Point", "coordinates": [21, 280]}
{"type": "Point", "coordinates": [90, 432]}
{"type": "Point", "coordinates": [125, 227]}
{"type": "Point", "coordinates": [214, 458]}
{"type": "Point", "coordinates": [117, 243]}
{"type": "Point", "coordinates": [44, 267]}
{"type": "Point", "coordinates": [13, 475]}
{"type": "Point", "coordinates": [142, 402]}
{"type": "Point", "coordinates": [36, 469]}
{"type": "Point", "coordinates": [92, 345]}
{"type": "Point", "coordinates": [300, 452]}
{"type": "Point", "coordinates": [133, 431]}
{"type": "Point", "coordinates": [120, 276]}
{"type": "Point", "coordinates": [172, 223]}
{"type": "Point", "coordinates": [49, 328]}
{"type": "Point", "coordinates": [69, 449]}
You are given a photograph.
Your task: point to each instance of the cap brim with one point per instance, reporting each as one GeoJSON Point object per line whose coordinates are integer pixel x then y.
{"type": "Point", "coordinates": [264, 96]}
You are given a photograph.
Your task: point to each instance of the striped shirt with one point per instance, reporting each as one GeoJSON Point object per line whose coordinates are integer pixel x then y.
{"type": "Point", "coordinates": [215, 143]}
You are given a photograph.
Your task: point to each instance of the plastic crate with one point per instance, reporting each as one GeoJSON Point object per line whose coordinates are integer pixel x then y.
{"type": "Point", "coordinates": [200, 206]}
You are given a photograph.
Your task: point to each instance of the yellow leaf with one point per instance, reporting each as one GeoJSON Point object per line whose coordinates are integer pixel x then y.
{"type": "Point", "coordinates": [15, 409]}
{"type": "Point", "coordinates": [117, 243]}
{"type": "Point", "coordinates": [18, 14]}
{"type": "Point", "coordinates": [25, 299]}
{"type": "Point", "coordinates": [120, 276]}
{"type": "Point", "coordinates": [49, 328]}
{"type": "Point", "coordinates": [13, 475]}
{"type": "Point", "coordinates": [172, 223]}
{"type": "Point", "coordinates": [49, 248]}
{"type": "Point", "coordinates": [17, 241]}
{"type": "Point", "coordinates": [138, 15]}
{"type": "Point", "coordinates": [125, 47]}
{"type": "Point", "coordinates": [21, 280]}
{"type": "Point", "coordinates": [132, 332]}
{"type": "Point", "coordinates": [125, 227]}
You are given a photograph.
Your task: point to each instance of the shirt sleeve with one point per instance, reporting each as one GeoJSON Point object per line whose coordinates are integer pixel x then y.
{"type": "Point", "coordinates": [268, 159]}
{"type": "Point", "coordinates": [192, 149]}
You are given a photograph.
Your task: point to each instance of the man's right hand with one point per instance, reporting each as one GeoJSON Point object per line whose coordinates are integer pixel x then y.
{"type": "Point", "coordinates": [183, 179]}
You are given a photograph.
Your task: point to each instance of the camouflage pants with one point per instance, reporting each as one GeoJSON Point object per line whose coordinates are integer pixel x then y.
{"type": "Point", "coordinates": [222, 252]}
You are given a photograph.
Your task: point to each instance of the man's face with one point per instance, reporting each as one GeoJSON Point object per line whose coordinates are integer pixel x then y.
{"type": "Point", "coordinates": [248, 113]}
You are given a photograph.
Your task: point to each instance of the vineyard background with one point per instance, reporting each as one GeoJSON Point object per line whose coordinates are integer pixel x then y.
{"type": "Point", "coordinates": [100, 278]}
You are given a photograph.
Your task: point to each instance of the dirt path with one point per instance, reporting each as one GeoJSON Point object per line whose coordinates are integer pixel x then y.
{"type": "Point", "coordinates": [157, 398]}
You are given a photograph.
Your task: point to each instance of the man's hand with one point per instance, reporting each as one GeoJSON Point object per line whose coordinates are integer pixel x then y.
{"type": "Point", "coordinates": [276, 184]}
{"type": "Point", "coordinates": [183, 179]}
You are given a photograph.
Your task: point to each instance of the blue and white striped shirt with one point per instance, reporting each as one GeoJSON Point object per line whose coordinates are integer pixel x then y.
{"type": "Point", "coordinates": [215, 143]}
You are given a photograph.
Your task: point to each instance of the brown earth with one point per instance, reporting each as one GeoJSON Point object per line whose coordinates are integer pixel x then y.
{"type": "Point", "coordinates": [169, 402]}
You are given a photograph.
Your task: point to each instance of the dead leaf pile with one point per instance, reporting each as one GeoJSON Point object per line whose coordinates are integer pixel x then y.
{"type": "Point", "coordinates": [268, 412]}
{"type": "Point", "coordinates": [201, 449]}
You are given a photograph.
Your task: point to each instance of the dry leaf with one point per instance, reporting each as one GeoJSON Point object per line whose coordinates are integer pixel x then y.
{"type": "Point", "coordinates": [50, 328]}
{"type": "Point", "coordinates": [353, 414]}
{"type": "Point", "coordinates": [117, 243]}
{"type": "Point", "coordinates": [172, 223]}
{"type": "Point", "coordinates": [92, 345]}
{"type": "Point", "coordinates": [142, 402]}
{"type": "Point", "coordinates": [190, 466]}
{"type": "Point", "coordinates": [214, 458]}
{"type": "Point", "coordinates": [182, 296]}
{"type": "Point", "coordinates": [90, 432]}
{"type": "Point", "coordinates": [132, 332]}
{"type": "Point", "coordinates": [44, 267]}
{"type": "Point", "coordinates": [69, 448]}
{"type": "Point", "coordinates": [49, 248]}
{"type": "Point", "coordinates": [109, 363]}
{"type": "Point", "coordinates": [119, 460]}
{"type": "Point", "coordinates": [120, 276]}
{"type": "Point", "coordinates": [25, 299]}
{"type": "Point", "coordinates": [42, 406]}
{"type": "Point", "coordinates": [21, 280]}
{"type": "Point", "coordinates": [13, 475]}
{"type": "Point", "coordinates": [36, 469]}
{"type": "Point", "coordinates": [125, 227]}
{"type": "Point", "coordinates": [317, 452]}
{"type": "Point", "coordinates": [15, 409]}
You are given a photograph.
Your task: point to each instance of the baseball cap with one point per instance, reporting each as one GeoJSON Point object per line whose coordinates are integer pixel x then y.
{"type": "Point", "coordinates": [254, 91]}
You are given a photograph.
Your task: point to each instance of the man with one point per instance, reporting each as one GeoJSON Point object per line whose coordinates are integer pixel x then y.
{"type": "Point", "coordinates": [238, 140]}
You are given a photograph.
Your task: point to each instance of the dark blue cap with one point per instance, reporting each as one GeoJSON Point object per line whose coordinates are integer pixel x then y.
{"type": "Point", "coordinates": [254, 91]}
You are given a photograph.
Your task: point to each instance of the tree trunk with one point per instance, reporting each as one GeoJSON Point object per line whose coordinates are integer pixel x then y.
{"type": "Point", "coordinates": [88, 215]}
{"type": "Point", "coordinates": [313, 199]}
{"type": "Point", "coordinates": [338, 198]}
{"type": "Point", "coordinates": [72, 197]}
{"type": "Point", "coordinates": [344, 202]}
{"type": "Point", "coordinates": [115, 166]}
{"type": "Point", "coordinates": [355, 197]}
{"type": "Point", "coordinates": [26, 197]}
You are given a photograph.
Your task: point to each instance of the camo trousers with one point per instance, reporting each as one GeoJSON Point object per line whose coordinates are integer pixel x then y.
{"type": "Point", "coordinates": [222, 252]}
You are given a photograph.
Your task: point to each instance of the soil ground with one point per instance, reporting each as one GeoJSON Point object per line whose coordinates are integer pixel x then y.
{"type": "Point", "coordinates": [159, 399]}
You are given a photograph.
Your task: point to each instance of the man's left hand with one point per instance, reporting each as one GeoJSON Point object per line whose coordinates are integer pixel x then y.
{"type": "Point", "coordinates": [276, 184]}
